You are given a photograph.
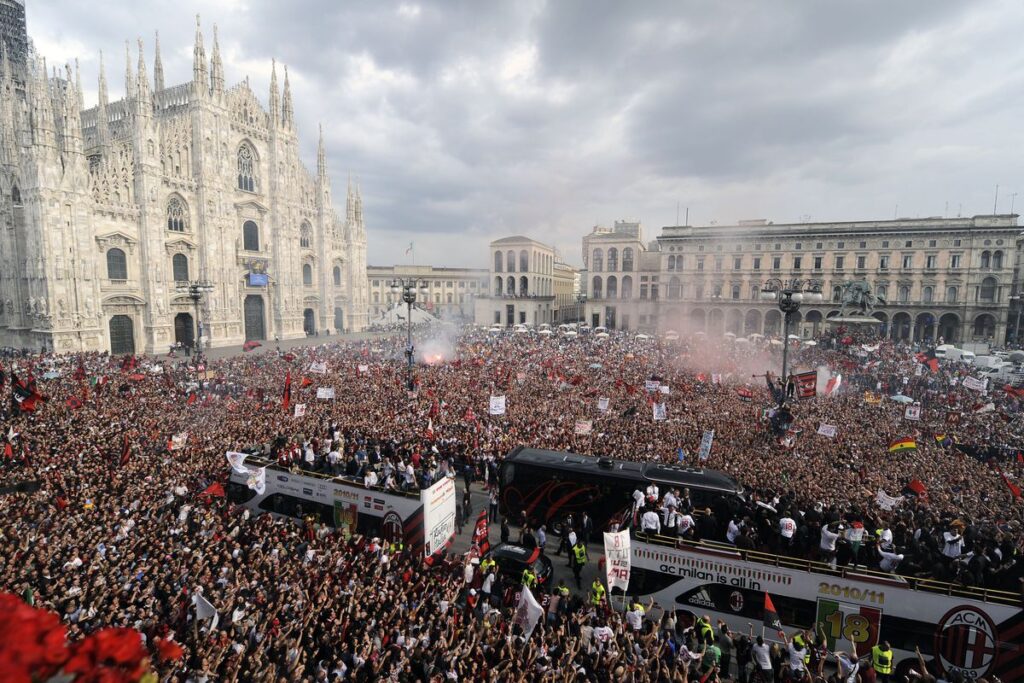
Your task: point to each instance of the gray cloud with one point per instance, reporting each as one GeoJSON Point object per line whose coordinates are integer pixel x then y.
{"type": "Point", "coordinates": [468, 121]}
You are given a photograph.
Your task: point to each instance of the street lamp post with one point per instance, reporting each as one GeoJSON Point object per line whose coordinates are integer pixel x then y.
{"type": "Point", "coordinates": [1018, 300]}
{"type": "Point", "coordinates": [195, 290]}
{"type": "Point", "coordinates": [581, 301]}
{"type": "Point", "coordinates": [789, 294]}
{"type": "Point", "coordinates": [408, 288]}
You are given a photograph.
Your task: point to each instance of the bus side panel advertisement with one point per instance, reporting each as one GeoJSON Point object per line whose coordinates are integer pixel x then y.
{"type": "Point", "coordinates": [438, 515]}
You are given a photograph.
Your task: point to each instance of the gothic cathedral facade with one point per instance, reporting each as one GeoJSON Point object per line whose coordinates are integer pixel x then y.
{"type": "Point", "coordinates": [108, 214]}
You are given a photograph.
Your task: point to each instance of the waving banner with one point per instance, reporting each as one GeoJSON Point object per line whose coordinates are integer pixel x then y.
{"type": "Point", "coordinates": [497, 405]}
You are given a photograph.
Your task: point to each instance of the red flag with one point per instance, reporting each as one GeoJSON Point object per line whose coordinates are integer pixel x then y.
{"type": "Point", "coordinates": [250, 345]}
{"type": "Point", "coordinates": [191, 398]}
{"type": "Point", "coordinates": [286, 398]}
{"type": "Point", "coordinates": [807, 384]}
{"type": "Point", "coordinates": [918, 487]}
{"type": "Point", "coordinates": [306, 381]}
{"type": "Point", "coordinates": [481, 542]}
{"type": "Point", "coordinates": [289, 356]}
{"type": "Point", "coordinates": [74, 403]}
{"type": "Point", "coordinates": [771, 617]}
{"type": "Point", "coordinates": [126, 451]}
{"type": "Point", "coordinates": [8, 451]}
{"type": "Point", "coordinates": [1014, 489]}
{"type": "Point", "coordinates": [216, 489]}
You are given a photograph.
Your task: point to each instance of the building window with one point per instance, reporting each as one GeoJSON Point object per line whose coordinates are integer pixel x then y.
{"type": "Point", "coordinates": [797, 262]}
{"type": "Point", "coordinates": [671, 263]}
{"type": "Point", "coordinates": [986, 259]}
{"type": "Point", "coordinates": [817, 263]}
{"type": "Point", "coordinates": [954, 260]}
{"type": "Point", "coordinates": [627, 260]}
{"type": "Point", "coordinates": [862, 262]}
{"type": "Point", "coordinates": [306, 236]}
{"type": "Point", "coordinates": [700, 247]}
{"type": "Point", "coordinates": [337, 276]}
{"type": "Point", "coordinates": [956, 243]}
{"type": "Point", "coordinates": [177, 216]}
{"type": "Point", "coordinates": [904, 294]}
{"type": "Point", "coordinates": [757, 247]}
{"type": "Point", "coordinates": [673, 288]}
{"type": "Point", "coordinates": [736, 292]}
{"type": "Point", "coordinates": [612, 287]}
{"type": "Point", "coordinates": [510, 261]}
{"type": "Point", "coordinates": [15, 195]}
{"type": "Point", "coordinates": [926, 295]}
{"type": "Point", "coordinates": [246, 168]}
{"type": "Point", "coordinates": [627, 287]}
{"type": "Point", "coordinates": [817, 245]}
{"type": "Point", "coordinates": [250, 236]}
{"type": "Point", "coordinates": [450, 298]}
{"type": "Point", "coordinates": [950, 295]}
{"type": "Point", "coordinates": [930, 261]}
{"type": "Point", "coordinates": [840, 245]}
{"type": "Point", "coordinates": [908, 244]}
{"type": "Point", "coordinates": [883, 263]}
{"type": "Point", "coordinates": [596, 287]}
{"type": "Point", "coordinates": [757, 263]}
{"type": "Point", "coordinates": [987, 291]}
{"type": "Point", "coordinates": [179, 267]}
{"type": "Point", "coordinates": [498, 256]}
{"type": "Point", "coordinates": [776, 262]}
{"type": "Point", "coordinates": [882, 292]}
{"type": "Point", "coordinates": [839, 262]}
{"type": "Point", "coordinates": [117, 265]}
{"type": "Point", "coordinates": [799, 246]}
{"type": "Point", "coordinates": [863, 245]}
{"type": "Point", "coordinates": [700, 265]}
{"type": "Point", "coordinates": [778, 246]}
{"type": "Point", "coordinates": [718, 263]}
{"type": "Point", "coordinates": [613, 260]}
{"type": "Point", "coordinates": [837, 293]}
{"type": "Point", "coordinates": [643, 291]}
{"type": "Point", "coordinates": [699, 292]}
{"type": "Point", "coordinates": [997, 260]}
{"type": "Point", "coordinates": [598, 261]}
{"type": "Point", "coordinates": [307, 274]}
{"type": "Point", "coordinates": [885, 244]}
{"type": "Point", "coordinates": [908, 261]}
{"type": "Point", "coordinates": [737, 263]}
{"type": "Point", "coordinates": [524, 261]}
{"type": "Point", "coordinates": [717, 292]}
{"type": "Point", "coordinates": [931, 243]}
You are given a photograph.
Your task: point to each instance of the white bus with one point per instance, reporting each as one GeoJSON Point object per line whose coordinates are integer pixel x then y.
{"type": "Point", "coordinates": [977, 632]}
{"type": "Point", "coordinates": [423, 520]}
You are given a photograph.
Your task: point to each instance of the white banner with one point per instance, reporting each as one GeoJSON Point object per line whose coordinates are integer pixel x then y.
{"type": "Point", "coordinates": [258, 480]}
{"type": "Point", "coordinates": [320, 367]}
{"type": "Point", "coordinates": [705, 444]}
{"type": "Point", "coordinates": [827, 430]}
{"type": "Point", "coordinates": [363, 369]}
{"type": "Point", "coordinates": [664, 389]}
{"type": "Point", "coordinates": [178, 441]}
{"type": "Point", "coordinates": [528, 612]}
{"type": "Point", "coordinates": [912, 412]}
{"type": "Point", "coordinates": [325, 392]}
{"type": "Point", "coordinates": [652, 385]}
{"type": "Point", "coordinates": [497, 406]}
{"type": "Point", "coordinates": [300, 409]}
{"type": "Point", "coordinates": [885, 501]}
{"type": "Point", "coordinates": [975, 384]}
{"type": "Point", "coordinates": [584, 426]}
{"type": "Point", "coordinates": [919, 370]}
{"type": "Point", "coordinates": [205, 610]}
{"type": "Point", "coordinates": [660, 413]}
{"type": "Point", "coordinates": [602, 404]}
{"type": "Point", "coordinates": [616, 557]}
{"type": "Point", "coordinates": [438, 515]}
{"type": "Point", "coordinates": [237, 461]}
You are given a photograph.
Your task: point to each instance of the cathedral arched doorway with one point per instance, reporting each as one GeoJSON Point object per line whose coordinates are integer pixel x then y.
{"type": "Point", "coordinates": [122, 335]}
{"type": "Point", "coordinates": [339, 320]}
{"type": "Point", "coordinates": [309, 322]}
{"type": "Point", "coordinates": [184, 329]}
{"type": "Point", "coordinates": [255, 327]}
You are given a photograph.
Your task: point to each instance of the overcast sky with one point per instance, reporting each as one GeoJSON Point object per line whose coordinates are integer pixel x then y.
{"type": "Point", "coordinates": [468, 121]}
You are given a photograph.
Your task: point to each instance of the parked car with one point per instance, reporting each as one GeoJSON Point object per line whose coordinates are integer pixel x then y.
{"type": "Point", "coordinates": [512, 559]}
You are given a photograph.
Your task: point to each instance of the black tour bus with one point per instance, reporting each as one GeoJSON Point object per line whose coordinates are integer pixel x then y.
{"type": "Point", "coordinates": [547, 486]}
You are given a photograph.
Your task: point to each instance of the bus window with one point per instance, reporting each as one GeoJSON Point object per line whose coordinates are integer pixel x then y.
{"type": "Point", "coordinates": [508, 473]}
{"type": "Point", "coordinates": [647, 581]}
{"type": "Point", "coordinates": [293, 506]}
{"type": "Point", "coordinates": [238, 493]}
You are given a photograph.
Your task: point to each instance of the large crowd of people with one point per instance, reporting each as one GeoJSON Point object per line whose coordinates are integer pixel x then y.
{"type": "Point", "coordinates": [110, 518]}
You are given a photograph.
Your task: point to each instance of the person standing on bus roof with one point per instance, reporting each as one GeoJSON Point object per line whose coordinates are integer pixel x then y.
{"type": "Point", "coordinates": [649, 522]}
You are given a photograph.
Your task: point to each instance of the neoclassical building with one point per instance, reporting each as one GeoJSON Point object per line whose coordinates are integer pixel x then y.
{"type": "Point", "coordinates": [954, 278]}
{"type": "Point", "coordinates": [451, 292]}
{"type": "Point", "coordinates": [528, 284]}
{"type": "Point", "coordinates": [105, 212]}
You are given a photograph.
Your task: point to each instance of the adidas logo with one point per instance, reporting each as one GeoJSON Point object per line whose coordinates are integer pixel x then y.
{"type": "Point", "coordinates": [702, 598]}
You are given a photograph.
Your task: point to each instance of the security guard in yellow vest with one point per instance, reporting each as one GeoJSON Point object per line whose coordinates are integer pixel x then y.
{"type": "Point", "coordinates": [596, 592]}
{"type": "Point", "coordinates": [704, 629]}
{"type": "Point", "coordinates": [562, 589]}
{"type": "Point", "coordinates": [529, 578]}
{"type": "Point", "coordinates": [881, 661]}
{"type": "Point", "coordinates": [485, 565]}
{"type": "Point", "coordinates": [579, 560]}
{"type": "Point", "coordinates": [801, 644]}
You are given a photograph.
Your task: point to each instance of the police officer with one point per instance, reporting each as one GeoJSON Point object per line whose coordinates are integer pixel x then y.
{"type": "Point", "coordinates": [579, 560]}
{"type": "Point", "coordinates": [881, 661]}
{"type": "Point", "coordinates": [597, 592]}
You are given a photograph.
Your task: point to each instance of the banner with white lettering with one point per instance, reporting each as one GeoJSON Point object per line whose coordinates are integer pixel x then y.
{"type": "Point", "coordinates": [616, 557]}
{"type": "Point", "coordinates": [584, 426]}
{"type": "Point", "coordinates": [660, 412]}
{"type": "Point", "coordinates": [705, 444]}
{"type": "Point", "coordinates": [827, 430]}
{"type": "Point", "coordinates": [320, 367]}
{"type": "Point", "coordinates": [178, 441]}
{"type": "Point", "coordinates": [913, 412]}
{"type": "Point", "coordinates": [300, 409]}
{"type": "Point", "coordinates": [652, 385]}
{"type": "Point", "coordinates": [602, 404]}
{"type": "Point", "coordinates": [885, 501]}
{"type": "Point", "coordinates": [975, 384]}
{"type": "Point", "coordinates": [325, 392]}
{"type": "Point", "coordinates": [528, 612]}
{"type": "Point", "coordinates": [665, 389]}
{"type": "Point", "coordinates": [497, 405]}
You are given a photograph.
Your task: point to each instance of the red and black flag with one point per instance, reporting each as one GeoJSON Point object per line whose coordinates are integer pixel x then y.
{"type": "Point", "coordinates": [129, 363]}
{"type": "Point", "coordinates": [74, 403]}
{"type": "Point", "coordinates": [24, 395]}
{"type": "Point", "coordinates": [771, 617]}
{"type": "Point", "coordinates": [79, 372]}
{"type": "Point", "coordinates": [481, 542]}
{"type": "Point", "coordinates": [250, 345]}
{"type": "Point", "coordinates": [807, 384]}
{"type": "Point", "coordinates": [126, 451]}
{"type": "Point", "coordinates": [928, 358]}
{"type": "Point", "coordinates": [286, 398]}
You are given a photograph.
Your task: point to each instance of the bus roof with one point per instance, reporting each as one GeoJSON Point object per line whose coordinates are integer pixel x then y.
{"type": "Point", "coordinates": [625, 469]}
